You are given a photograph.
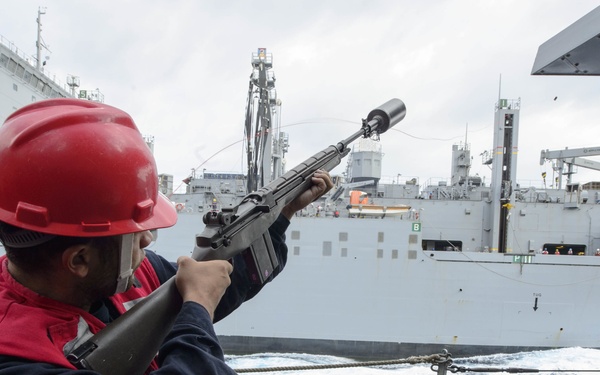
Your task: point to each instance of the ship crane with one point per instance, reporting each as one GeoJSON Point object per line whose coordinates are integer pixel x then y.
{"type": "Point", "coordinates": [266, 144]}
{"type": "Point", "coordinates": [570, 158]}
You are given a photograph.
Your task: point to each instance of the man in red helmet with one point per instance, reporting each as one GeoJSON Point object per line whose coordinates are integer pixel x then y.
{"type": "Point", "coordinates": [78, 198]}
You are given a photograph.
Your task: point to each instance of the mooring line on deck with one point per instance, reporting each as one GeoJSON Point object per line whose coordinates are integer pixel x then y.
{"type": "Point", "coordinates": [413, 360]}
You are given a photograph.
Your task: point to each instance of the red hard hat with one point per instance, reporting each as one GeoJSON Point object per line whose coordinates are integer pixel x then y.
{"type": "Point", "coordinates": [78, 168]}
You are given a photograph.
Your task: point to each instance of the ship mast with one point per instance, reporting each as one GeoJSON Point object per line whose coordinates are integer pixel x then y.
{"type": "Point", "coordinates": [504, 171]}
{"type": "Point", "coordinates": [266, 145]}
{"type": "Point", "coordinates": [39, 43]}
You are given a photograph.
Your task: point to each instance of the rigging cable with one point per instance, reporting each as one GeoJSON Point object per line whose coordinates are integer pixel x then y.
{"type": "Point", "coordinates": [511, 370]}
{"type": "Point", "coordinates": [440, 363]}
{"type": "Point", "coordinates": [434, 358]}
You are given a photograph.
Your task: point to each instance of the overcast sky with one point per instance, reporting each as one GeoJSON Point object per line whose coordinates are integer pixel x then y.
{"type": "Point", "coordinates": [181, 69]}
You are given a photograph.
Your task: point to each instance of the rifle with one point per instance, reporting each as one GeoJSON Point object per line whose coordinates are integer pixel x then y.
{"type": "Point", "coordinates": [127, 345]}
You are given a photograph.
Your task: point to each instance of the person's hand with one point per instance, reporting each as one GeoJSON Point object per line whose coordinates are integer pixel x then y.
{"type": "Point", "coordinates": [321, 185]}
{"type": "Point", "coordinates": [203, 282]}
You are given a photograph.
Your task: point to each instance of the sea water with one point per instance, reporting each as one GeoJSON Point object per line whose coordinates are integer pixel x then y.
{"type": "Point", "coordinates": [557, 361]}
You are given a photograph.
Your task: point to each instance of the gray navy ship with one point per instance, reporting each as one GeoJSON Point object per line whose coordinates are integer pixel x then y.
{"type": "Point", "coordinates": [381, 270]}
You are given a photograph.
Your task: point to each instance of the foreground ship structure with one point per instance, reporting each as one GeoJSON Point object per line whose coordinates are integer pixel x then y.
{"type": "Point", "coordinates": [386, 270]}
{"type": "Point", "coordinates": [25, 79]}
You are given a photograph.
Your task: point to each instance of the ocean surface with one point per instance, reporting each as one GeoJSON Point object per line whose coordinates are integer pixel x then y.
{"type": "Point", "coordinates": [557, 361]}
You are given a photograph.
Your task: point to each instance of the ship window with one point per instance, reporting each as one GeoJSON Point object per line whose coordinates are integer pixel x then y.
{"type": "Point", "coordinates": [442, 245]}
{"type": "Point", "coordinates": [15, 87]}
{"type": "Point", "coordinates": [20, 70]}
{"type": "Point", "coordinates": [295, 235]}
{"type": "Point", "coordinates": [563, 248]}
{"type": "Point", "coordinates": [296, 250]}
{"type": "Point", "coordinates": [379, 253]}
{"type": "Point", "coordinates": [344, 252]}
{"type": "Point", "coordinates": [27, 76]}
{"type": "Point", "coordinates": [3, 59]}
{"type": "Point", "coordinates": [395, 254]}
{"type": "Point", "coordinates": [47, 90]}
{"type": "Point", "coordinates": [12, 65]}
{"type": "Point", "coordinates": [34, 81]}
{"type": "Point", "coordinates": [343, 236]}
{"type": "Point", "coordinates": [326, 248]}
{"type": "Point", "coordinates": [380, 237]}
{"type": "Point", "coordinates": [40, 85]}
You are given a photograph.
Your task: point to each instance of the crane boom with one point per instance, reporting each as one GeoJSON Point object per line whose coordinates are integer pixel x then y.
{"type": "Point", "coordinates": [568, 153]}
{"type": "Point", "coordinates": [570, 158]}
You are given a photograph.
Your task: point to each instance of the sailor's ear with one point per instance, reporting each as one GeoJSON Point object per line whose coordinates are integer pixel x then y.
{"type": "Point", "coordinates": [76, 259]}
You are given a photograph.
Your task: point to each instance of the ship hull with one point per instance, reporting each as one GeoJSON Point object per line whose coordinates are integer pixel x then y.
{"type": "Point", "coordinates": [358, 350]}
{"type": "Point", "coordinates": [365, 288]}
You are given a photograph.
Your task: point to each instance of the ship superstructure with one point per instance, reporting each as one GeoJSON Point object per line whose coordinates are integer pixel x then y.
{"type": "Point", "coordinates": [24, 79]}
{"type": "Point", "coordinates": [266, 146]}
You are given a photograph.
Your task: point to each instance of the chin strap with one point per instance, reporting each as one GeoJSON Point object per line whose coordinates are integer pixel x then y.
{"type": "Point", "coordinates": [125, 259]}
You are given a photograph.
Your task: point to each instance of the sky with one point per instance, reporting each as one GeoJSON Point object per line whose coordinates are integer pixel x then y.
{"type": "Point", "coordinates": [180, 68]}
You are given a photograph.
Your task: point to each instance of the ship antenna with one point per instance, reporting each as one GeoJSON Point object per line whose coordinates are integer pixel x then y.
{"type": "Point", "coordinates": [39, 44]}
{"type": "Point", "coordinates": [500, 89]}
